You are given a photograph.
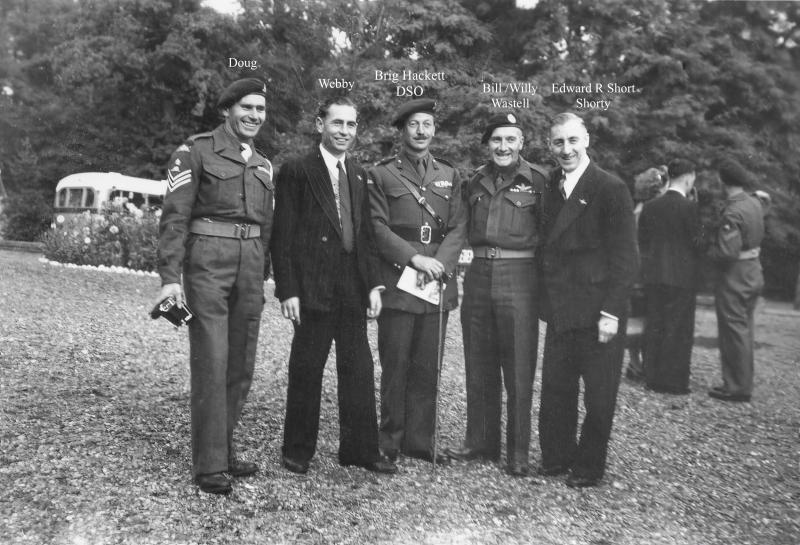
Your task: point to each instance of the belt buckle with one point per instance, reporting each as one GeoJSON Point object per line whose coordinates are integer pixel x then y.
{"type": "Point", "coordinates": [243, 230]}
{"type": "Point", "coordinates": [425, 233]}
{"type": "Point", "coordinates": [492, 252]}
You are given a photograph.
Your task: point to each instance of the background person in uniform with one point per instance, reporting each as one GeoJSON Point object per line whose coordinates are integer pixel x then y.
{"type": "Point", "coordinates": [738, 282]}
{"type": "Point", "coordinates": [216, 224]}
{"type": "Point", "coordinates": [408, 234]}
{"type": "Point", "coordinates": [589, 262]}
{"type": "Point", "coordinates": [326, 279]}
{"type": "Point", "coordinates": [670, 244]}
{"type": "Point", "coordinates": [499, 313]}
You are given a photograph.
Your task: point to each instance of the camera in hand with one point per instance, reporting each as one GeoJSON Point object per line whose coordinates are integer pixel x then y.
{"type": "Point", "coordinates": [169, 309]}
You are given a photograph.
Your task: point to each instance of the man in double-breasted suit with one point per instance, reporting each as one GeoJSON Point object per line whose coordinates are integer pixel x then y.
{"type": "Point", "coordinates": [588, 263]}
{"type": "Point", "coordinates": [325, 264]}
{"type": "Point", "coordinates": [670, 241]}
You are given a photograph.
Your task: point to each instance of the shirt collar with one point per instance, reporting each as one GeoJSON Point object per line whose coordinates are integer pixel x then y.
{"type": "Point", "coordinates": [677, 190]}
{"type": "Point", "coordinates": [331, 160]}
{"type": "Point", "coordinates": [571, 178]}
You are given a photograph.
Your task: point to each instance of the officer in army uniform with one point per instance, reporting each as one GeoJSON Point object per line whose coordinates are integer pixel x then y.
{"type": "Point", "coordinates": [499, 314]}
{"type": "Point", "coordinates": [738, 282]}
{"type": "Point", "coordinates": [419, 222]}
{"type": "Point", "coordinates": [215, 226]}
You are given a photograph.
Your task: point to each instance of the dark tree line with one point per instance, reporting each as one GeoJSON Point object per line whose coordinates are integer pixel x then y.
{"type": "Point", "coordinates": [114, 85]}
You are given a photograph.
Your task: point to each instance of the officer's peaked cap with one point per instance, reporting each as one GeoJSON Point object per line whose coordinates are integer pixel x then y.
{"type": "Point", "coordinates": [507, 119]}
{"type": "Point", "coordinates": [732, 173]}
{"type": "Point", "coordinates": [407, 109]}
{"type": "Point", "coordinates": [234, 92]}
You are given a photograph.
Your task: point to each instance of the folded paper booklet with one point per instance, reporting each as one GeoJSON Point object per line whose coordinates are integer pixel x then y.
{"type": "Point", "coordinates": [408, 283]}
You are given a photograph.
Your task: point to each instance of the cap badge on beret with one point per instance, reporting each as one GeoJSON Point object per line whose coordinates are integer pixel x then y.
{"type": "Point", "coordinates": [511, 118]}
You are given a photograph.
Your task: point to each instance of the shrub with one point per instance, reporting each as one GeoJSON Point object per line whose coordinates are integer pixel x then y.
{"type": "Point", "coordinates": [26, 215]}
{"type": "Point", "coordinates": [122, 237]}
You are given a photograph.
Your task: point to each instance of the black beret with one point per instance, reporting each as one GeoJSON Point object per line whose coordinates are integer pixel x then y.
{"type": "Point", "coordinates": [241, 88]}
{"type": "Point", "coordinates": [507, 119]}
{"type": "Point", "coordinates": [732, 173]}
{"type": "Point", "coordinates": [417, 105]}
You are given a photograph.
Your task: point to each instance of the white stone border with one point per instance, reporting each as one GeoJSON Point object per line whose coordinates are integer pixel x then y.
{"type": "Point", "coordinates": [101, 268]}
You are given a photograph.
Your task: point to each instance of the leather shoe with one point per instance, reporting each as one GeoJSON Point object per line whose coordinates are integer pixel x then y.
{"type": "Point", "coordinates": [240, 468]}
{"type": "Point", "coordinates": [391, 455]}
{"type": "Point", "coordinates": [517, 470]}
{"type": "Point", "coordinates": [465, 454]}
{"type": "Point", "coordinates": [382, 466]}
{"type": "Point", "coordinates": [719, 393]}
{"type": "Point", "coordinates": [551, 471]}
{"type": "Point", "coordinates": [214, 483]}
{"type": "Point", "coordinates": [579, 481]}
{"type": "Point", "coordinates": [295, 466]}
{"type": "Point", "coordinates": [441, 459]}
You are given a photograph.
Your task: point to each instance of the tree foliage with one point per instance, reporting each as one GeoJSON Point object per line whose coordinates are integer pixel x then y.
{"type": "Point", "coordinates": [116, 85]}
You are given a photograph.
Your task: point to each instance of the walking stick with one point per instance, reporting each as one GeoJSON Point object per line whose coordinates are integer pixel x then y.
{"type": "Point", "coordinates": [439, 350]}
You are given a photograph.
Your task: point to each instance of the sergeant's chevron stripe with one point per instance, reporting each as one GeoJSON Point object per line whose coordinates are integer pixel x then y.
{"type": "Point", "coordinates": [177, 180]}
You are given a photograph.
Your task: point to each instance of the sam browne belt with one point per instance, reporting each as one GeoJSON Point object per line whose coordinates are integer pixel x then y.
{"type": "Point", "coordinates": [424, 234]}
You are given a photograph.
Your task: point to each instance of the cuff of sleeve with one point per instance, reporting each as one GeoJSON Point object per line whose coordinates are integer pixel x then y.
{"type": "Point", "coordinates": [380, 288]}
{"type": "Point", "coordinates": [607, 315]}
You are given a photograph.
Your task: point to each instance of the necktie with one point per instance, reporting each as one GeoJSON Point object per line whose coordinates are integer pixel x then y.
{"type": "Point", "coordinates": [345, 215]}
{"type": "Point", "coordinates": [561, 188]}
{"type": "Point", "coordinates": [246, 151]}
{"type": "Point", "coordinates": [421, 168]}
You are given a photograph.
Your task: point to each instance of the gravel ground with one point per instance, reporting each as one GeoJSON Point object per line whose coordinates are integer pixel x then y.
{"type": "Point", "coordinates": [94, 443]}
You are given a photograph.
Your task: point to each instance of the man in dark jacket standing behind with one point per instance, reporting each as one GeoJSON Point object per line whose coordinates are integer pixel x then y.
{"type": "Point", "coordinates": [670, 241]}
{"type": "Point", "coordinates": [588, 263]}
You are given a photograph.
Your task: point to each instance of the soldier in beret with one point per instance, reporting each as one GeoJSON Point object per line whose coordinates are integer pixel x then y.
{"type": "Point", "coordinates": [419, 222]}
{"type": "Point", "coordinates": [499, 315]}
{"type": "Point", "coordinates": [214, 239]}
{"type": "Point", "coordinates": [738, 283]}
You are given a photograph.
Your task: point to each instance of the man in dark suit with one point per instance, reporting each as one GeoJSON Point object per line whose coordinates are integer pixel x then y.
{"type": "Point", "coordinates": [325, 265]}
{"type": "Point", "coordinates": [588, 262]}
{"type": "Point", "coordinates": [670, 242]}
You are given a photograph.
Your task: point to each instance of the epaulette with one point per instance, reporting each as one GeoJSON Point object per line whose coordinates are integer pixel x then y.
{"type": "Point", "coordinates": [386, 160]}
{"type": "Point", "coordinates": [541, 170]}
{"type": "Point", "coordinates": [443, 161]}
{"type": "Point", "coordinates": [200, 135]}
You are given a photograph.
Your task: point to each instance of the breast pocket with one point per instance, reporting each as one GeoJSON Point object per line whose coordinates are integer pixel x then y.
{"type": "Point", "coordinates": [223, 185]}
{"type": "Point", "coordinates": [524, 212]}
{"type": "Point", "coordinates": [439, 198]}
{"type": "Point", "coordinates": [262, 189]}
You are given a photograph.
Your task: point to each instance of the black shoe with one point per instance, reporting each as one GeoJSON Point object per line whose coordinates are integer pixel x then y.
{"type": "Point", "coordinates": [579, 481]}
{"type": "Point", "coordinates": [552, 471]}
{"type": "Point", "coordinates": [214, 483]}
{"type": "Point", "coordinates": [381, 465]}
{"type": "Point", "coordinates": [441, 459]}
{"type": "Point", "coordinates": [517, 469]}
{"type": "Point", "coordinates": [718, 393]}
{"type": "Point", "coordinates": [391, 455]}
{"type": "Point", "coordinates": [465, 454]}
{"type": "Point", "coordinates": [240, 468]}
{"type": "Point", "coordinates": [295, 466]}
{"type": "Point", "coordinates": [633, 375]}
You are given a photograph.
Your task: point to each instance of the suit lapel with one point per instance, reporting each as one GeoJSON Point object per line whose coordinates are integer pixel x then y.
{"type": "Point", "coordinates": [320, 181]}
{"type": "Point", "coordinates": [355, 182]}
{"type": "Point", "coordinates": [577, 202]}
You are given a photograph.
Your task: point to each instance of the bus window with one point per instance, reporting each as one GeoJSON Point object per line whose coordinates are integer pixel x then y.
{"type": "Point", "coordinates": [136, 198]}
{"type": "Point", "coordinates": [89, 197]}
{"type": "Point", "coordinates": [74, 197]}
{"type": "Point", "coordinates": [155, 201]}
